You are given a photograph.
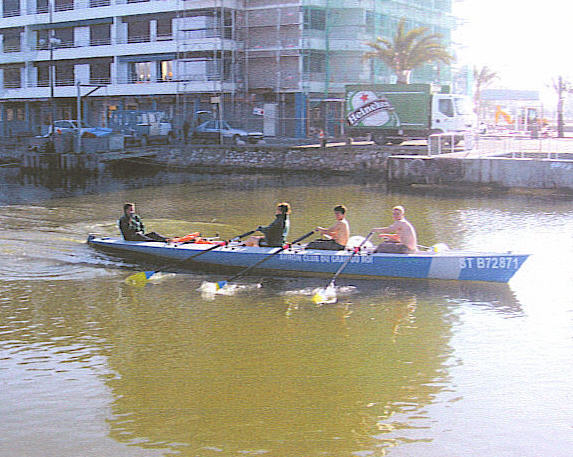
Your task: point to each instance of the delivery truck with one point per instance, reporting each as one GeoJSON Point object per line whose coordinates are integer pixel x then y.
{"type": "Point", "coordinates": [393, 113]}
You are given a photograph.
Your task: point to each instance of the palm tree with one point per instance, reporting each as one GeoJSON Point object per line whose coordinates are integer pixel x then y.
{"type": "Point", "coordinates": [408, 50]}
{"type": "Point", "coordinates": [483, 77]}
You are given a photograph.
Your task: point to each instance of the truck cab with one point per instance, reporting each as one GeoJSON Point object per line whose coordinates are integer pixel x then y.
{"type": "Point", "coordinates": [451, 113]}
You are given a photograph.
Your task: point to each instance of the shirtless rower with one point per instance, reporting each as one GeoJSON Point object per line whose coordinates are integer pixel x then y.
{"type": "Point", "coordinates": [404, 240]}
{"type": "Point", "coordinates": [337, 235]}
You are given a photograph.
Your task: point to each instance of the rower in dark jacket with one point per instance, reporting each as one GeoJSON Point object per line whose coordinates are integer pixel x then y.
{"type": "Point", "coordinates": [276, 232]}
{"type": "Point", "coordinates": [132, 228]}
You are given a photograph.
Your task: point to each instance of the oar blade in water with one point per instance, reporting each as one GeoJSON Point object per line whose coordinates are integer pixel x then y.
{"type": "Point", "coordinates": [325, 296]}
{"type": "Point", "coordinates": [210, 289]}
{"type": "Point", "coordinates": [139, 279]}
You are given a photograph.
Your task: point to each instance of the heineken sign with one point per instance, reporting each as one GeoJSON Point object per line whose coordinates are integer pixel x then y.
{"type": "Point", "coordinates": [368, 109]}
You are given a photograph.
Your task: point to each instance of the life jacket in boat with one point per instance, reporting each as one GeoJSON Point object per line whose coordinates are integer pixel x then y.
{"type": "Point", "coordinates": [195, 238]}
{"type": "Point", "coordinates": [191, 238]}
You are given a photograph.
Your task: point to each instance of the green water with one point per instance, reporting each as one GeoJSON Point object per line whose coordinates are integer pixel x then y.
{"type": "Point", "coordinates": [92, 366]}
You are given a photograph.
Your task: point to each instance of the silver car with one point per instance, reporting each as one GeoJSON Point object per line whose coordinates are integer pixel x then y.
{"type": "Point", "coordinates": [220, 131]}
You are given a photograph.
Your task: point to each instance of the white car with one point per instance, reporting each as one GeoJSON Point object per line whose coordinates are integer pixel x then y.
{"type": "Point", "coordinates": [70, 126]}
{"type": "Point", "coordinates": [212, 131]}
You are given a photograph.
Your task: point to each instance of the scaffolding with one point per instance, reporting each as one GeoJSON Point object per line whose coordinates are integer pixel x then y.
{"type": "Point", "coordinates": [276, 66]}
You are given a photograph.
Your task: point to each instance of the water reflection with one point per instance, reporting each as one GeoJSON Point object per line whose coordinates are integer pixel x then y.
{"type": "Point", "coordinates": [238, 376]}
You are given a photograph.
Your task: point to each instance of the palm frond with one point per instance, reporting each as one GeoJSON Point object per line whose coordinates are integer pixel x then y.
{"type": "Point", "coordinates": [408, 50]}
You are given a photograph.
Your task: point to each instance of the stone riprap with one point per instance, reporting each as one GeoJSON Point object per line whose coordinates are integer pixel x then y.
{"type": "Point", "coordinates": [338, 159]}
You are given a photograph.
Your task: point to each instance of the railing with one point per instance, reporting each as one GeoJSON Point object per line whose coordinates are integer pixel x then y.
{"type": "Point", "coordinates": [12, 48]}
{"type": "Point", "coordinates": [98, 3]}
{"type": "Point", "coordinates": [138, 39]}
{"type": "Point", "coordinates": [100, 42]}
{"type": "Point", "coordinates": [442, 143]}
{"type": "Point", "coordinates": [105, 81]}
{"type": "Point", "coordinates": [524, 148]}
{"type": "Point", "coordinates": [12, 84]}
{"type": "Point", "coordinates": [11, 13]}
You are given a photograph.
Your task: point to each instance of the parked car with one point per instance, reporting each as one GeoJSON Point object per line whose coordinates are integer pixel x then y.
{"type": "Point", "coordinates": [71, 126]}
{"type": "Point", "coordinates": [214, 131]}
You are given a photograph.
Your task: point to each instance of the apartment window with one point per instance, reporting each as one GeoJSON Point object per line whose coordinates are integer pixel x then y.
{"type": "Point", "coordinates": [140, 72]}
{"type": "Point", "coordinates": [100, 72]}
{"type": "Point", "coordinates": [64, 5]}
{"type": "Point", "coordinates": [138, 32]}
{"type": "Point", "coordinates": [96, 3]}
{"type": "Point", "coordinates": [65, 37]}
{"type": "Point", "coordinates": [65, 74]}
{"type": "Point", "coordinates": [41, 6]}
{"type": "Point", "coordinates": [166, 70]}
{"type": "Point", "coordinates": [100, 34]}
{"type": "Point", "coordinates": [15, 114]}
{"type": "Point", "coordinates": [43, 75]}
{"type": "Point", "coordinates": [43, 40]}
{"type": "Point", "coordinates": [164, 29]}
{"type": "Point", "coordinates": [315, 62]}
{"type": "Point", "coordinates": [10, 8]}
{"type": "Point", "coordinates": [314, 18]}
{"type": "Point", "coordinates": [377, 24]}
{"type": "Point", "coordinates": [227, 26]}
{"type": "Point", "coordinates": [12, 77]}
{"type": "Point", "coordinates": [11, 41]}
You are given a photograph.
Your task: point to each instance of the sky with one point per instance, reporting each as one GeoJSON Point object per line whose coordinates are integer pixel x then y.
{"type": "Point", "coordinates": [529, 43]}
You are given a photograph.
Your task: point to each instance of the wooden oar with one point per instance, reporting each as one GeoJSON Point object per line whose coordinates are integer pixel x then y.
{"type": "Point", "coordinates": [141, 278]}
{"type": "Point", "coordinates": [221, 284]}
{"type": "Point", "coordinates": [328, 294]}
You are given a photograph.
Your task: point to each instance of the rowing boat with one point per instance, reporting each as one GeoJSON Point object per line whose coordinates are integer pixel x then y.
{"type": "Point", "coordinates": [298, 260]}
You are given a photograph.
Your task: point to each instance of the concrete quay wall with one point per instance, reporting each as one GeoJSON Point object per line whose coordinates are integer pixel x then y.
{"type": "Point", "coordinates": [339, 159]}
{"type": "Point", "coordinates": [491, 171]}
{"type": "Point", "coordinates": [355, 159]}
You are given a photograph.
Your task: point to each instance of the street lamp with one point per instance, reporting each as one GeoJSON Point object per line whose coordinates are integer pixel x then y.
{"type": "Point", "coordinates": [52, 43]}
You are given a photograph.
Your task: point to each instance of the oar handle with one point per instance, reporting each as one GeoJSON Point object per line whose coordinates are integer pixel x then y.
{"type": "Point", "coordinates": [238, 237]}
{"type": "Point", "coordinates": [301, 238]}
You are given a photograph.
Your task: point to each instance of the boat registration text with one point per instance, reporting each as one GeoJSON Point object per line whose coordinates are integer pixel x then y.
{"type": "Point", "coordinates": [495, 263]}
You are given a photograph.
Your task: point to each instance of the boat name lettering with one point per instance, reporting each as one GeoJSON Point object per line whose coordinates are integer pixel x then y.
{"type": "Point", "coordinates": [291, 257]}
{"type": "Point", "coordinates": [325, 258]}
{"type": "Point", "coordinates": [494, 263]}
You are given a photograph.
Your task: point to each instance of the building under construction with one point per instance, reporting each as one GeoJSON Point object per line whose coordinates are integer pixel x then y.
{"type": "Point", "coordinates": [278, 66]}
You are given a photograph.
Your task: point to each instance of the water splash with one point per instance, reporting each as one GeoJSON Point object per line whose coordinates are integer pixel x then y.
{"type": "Point", "coordinates": [210, 289]}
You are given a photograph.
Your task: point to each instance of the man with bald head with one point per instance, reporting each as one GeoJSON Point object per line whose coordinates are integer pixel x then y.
{"type": "Point", "coordinates": [400, 236]}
